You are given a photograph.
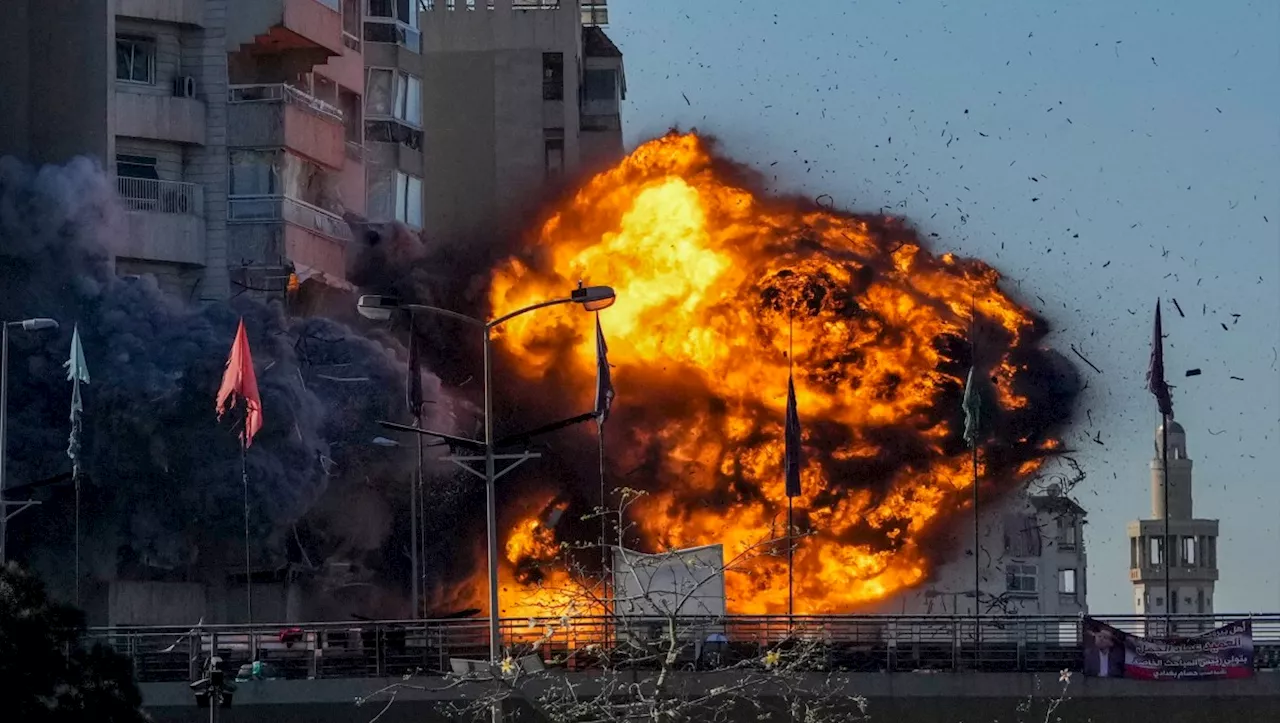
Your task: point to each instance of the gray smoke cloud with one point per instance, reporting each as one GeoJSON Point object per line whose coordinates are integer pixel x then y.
{"type": "Point", "coordinates": [161, 474]}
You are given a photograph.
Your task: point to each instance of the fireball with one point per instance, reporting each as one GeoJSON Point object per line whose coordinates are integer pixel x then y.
{"type": "Point", "coordinates": [722, 293]}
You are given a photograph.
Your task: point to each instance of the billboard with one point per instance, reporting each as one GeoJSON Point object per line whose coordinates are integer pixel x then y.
{"type": "Point", "coordinates": [1226, 652]}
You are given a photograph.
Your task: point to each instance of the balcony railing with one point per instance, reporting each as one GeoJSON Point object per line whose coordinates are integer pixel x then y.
{"type": "Point", "coordinates": [873, 643]}
{"type": "Point", "coordinates": [145, 194]}
{"type": "Point", "coordinates": [276, 208]}
{"type": "Point", "coordinates": [284, 93]}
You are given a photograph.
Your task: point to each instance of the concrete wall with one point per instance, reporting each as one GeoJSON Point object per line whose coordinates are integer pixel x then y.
{"type": "Point", "coordinates": [160, 117]}
{"type": "Point", "coordinates": [15, 81]}
{"type": "Point", "coordinates": [169, 237]}
{"type": "Point", "coordinates": [42, 44]}
{"type": "Point", "coordinates": [484, 152]}
{"type": "Point", "coordinates": [310, 19]}
{"type": "Point", "coordinates": [460, 150]}
{"type": "Point", "coordinates": [205, 57]}
{"type": "Point", "coordinates": [186, 12]}
{"type": "Point", "coordinates": [273, 125]}
{"type": "Point", "coordinates": [904, 698]}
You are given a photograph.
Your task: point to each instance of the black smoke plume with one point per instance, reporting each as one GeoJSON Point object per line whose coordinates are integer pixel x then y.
{"type": "Point", "coordinates": [162, 492]}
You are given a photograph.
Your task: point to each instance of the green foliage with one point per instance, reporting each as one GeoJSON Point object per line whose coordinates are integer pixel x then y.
{"type": "Point", "coordinates": [47, 675]}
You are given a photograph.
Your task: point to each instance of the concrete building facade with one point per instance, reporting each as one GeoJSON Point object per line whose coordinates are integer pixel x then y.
{"type": "Point", "coordinates": [1191, 549]}
{"type": "Point", "coordinates": [220, 121]}
{"type": "Point", "coordinates": [517, 95]}
{"type": "Point", "coordinates": [1031, 561]}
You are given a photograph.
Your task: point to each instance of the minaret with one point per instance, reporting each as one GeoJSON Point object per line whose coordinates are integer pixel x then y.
{"type": "Point", "coordinates": [1193, 546]}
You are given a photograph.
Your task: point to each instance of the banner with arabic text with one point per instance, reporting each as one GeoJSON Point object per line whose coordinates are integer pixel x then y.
{"type": "Point", "coordinates": [1226, 652]}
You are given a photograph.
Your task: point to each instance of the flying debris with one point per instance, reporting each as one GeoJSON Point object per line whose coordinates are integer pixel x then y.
{"type": "Point", "coordinates": [709, 273]}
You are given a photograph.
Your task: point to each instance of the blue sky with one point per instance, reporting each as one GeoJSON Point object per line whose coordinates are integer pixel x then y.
{"type": "Point", "coordinates": [1152, 128]}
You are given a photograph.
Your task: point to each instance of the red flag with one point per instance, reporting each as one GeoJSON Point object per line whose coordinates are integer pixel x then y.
{"type": "Point", "coordinates": [239, 380]}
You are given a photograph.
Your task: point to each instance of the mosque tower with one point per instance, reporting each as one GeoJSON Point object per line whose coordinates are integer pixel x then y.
{"type": "Point", "coordinates": [1192, 545]}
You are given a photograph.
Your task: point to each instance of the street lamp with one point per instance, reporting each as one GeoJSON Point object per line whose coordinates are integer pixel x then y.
{"type": "Point", "coordinates": [38, 324]}
{"type": "Point", "coordinates": [380, 308]}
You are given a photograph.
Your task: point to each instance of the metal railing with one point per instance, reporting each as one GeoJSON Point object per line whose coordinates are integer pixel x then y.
{"type": "Point", "coordinates": [283, 93]}
{"type": "Point", "coordinates": [146, 194]}
{"type": "Point", "coordinates": [272, 208]}
{"type": "Point", "coordinates": [870, 643]}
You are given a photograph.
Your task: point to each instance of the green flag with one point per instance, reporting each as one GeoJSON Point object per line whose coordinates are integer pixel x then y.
{"type": "Point", "coordinates": [77, 374]}
{"type": "Point", "coordinates": [972, 405]}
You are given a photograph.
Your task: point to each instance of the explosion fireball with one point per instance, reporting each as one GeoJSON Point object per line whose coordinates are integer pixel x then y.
{"type": "Point", "coordinates": [717, 284]}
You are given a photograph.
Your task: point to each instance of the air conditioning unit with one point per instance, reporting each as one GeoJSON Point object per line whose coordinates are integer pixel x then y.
{"type": "Point", "coordinates": [184, 86]}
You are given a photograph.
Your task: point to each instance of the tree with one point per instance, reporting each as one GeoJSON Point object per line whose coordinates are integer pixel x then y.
{"type": "Point", "coordinates": [46, 673]}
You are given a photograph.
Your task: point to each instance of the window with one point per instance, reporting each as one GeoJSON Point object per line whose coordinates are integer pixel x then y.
{"type": "Point", "coordinates": [1066, 532]}
{"type": "Point", "coordinates": [1156, 551]}
{"type": "Point", "coordinates": [553, 151]}
{"type": "Point", "coordinates": [1173, 602]}
{"type": "Point", "coordinates": [135, 59]}
{"type": "Point", "coordinates": [408, 200]}
{"type": "Point", "coordinates": [600, 85]}
{"type": "Point", "coordinates": [1020, 579]}
{"type": "Point", "coordinates": [393, 21]}
{"type": "Point", "coordinates": [394, 94]}
{"type": "Point", "coordinates": [409, 99]}
{"type": "Point", "coordinates": [137, 167]}
{"type": "Point", "coordinates": [255, 173]}
{"type": "Point", "coordinates": [553, 76]}
{"type": "Point", "coordinates": [1022, 536]}
{"type": "Point", "coordinates": [1189, 558]}
{"type": "Point", "coordinates": [1067, 582]}
{"type": "Point", "coordinates": [379, 93]}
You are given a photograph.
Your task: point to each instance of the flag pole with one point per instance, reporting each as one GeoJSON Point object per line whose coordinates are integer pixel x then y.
{"type": "Point", "coordinates": [244, 480]}
{"type": "Point", "coordinates": [1168, 557]}
{"type": "Point", "coordinates": [791, 549]}
{"type": "Point", "coordinates": [76, 474]}
{"type": "Point", "coordinates": [604, 532]}
{"type": "Point", "coordinates": [973, 445]}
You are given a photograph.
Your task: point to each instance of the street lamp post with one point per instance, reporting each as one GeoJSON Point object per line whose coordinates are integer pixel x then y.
{"type": "Point", "coordinates": [38, 324]}
{"type": "Point", "coordinates": [380, 308]}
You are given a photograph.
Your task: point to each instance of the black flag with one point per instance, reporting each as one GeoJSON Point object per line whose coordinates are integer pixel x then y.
{"type": "Point", "coordinates": [1155, 373]}
{"type": "Point", "coordinates": [414, 396]}
{"type": "Point", "coordinates": [793, 460]}
{"type": "Point", "coordinates": [604, 380]}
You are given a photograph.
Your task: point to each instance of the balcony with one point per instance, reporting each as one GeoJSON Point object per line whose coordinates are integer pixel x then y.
{"type": "Point", "coordinates": [181, 12]}
{"type": "Point", "coordinates": [279, 229]}
{"type": "Point", "coordinates": [280, 115]}
{"type": "Point", "coordinates": [277, 26]}
{"type": "Point", "coordinates": [166, 221]}
{"type": "Point", "coordinates": [160, 117]}
{"type": "Point", "coordinates": [392, 32]}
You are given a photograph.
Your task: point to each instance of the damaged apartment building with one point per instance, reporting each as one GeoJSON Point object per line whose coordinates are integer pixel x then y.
{"type": "Point", "coordinates": [238, 134]}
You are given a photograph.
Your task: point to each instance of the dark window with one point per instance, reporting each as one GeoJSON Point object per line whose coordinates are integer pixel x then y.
{"type": "Point", "coordinates": [553, 156]}
{"type": "Point", "coordinates": [137, 167]}
{"type": "Point", "coordinates": [600, 85]}
{"type": "Point", "coordinates": [135, 59]}
{"type": "Point", "coordinates": [553, 76]}
{"type": "Point", "coordinates": [382, 8]}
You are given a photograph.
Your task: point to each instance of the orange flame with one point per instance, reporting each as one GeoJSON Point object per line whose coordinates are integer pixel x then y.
{"type": "Point", "coordinates": [716, 287]}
